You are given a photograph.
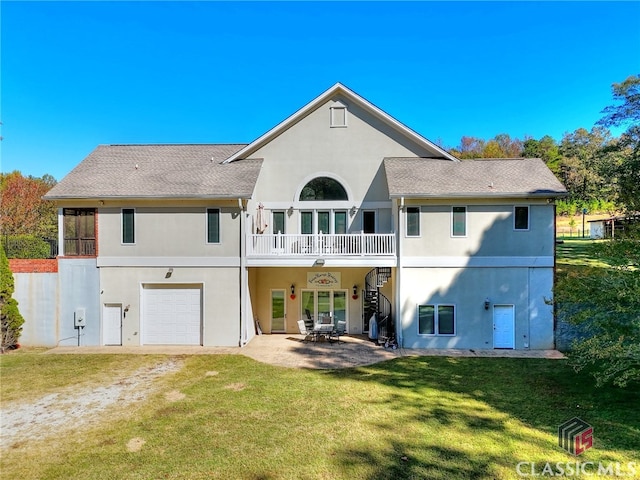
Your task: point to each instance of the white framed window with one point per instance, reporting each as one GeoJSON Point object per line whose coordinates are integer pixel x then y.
{"type": "Point", "coordinates": [307, 225]}
{"type": "Point", "coordinates": [413, 221]}
{"type": "Point", "coordinates": [437, 320]}
{"type": "Point", "coordinates": [213, 225]}
{"type": "Point", "coordinates": [521, 217]}
{"type": "Point", "coordinates": [323, 220]}
{"type": "Point", "coordinates": [340, 221]}
{"type": "Point", "coordinates": [458, 221]}
{"type": "Point", "coordinates": [128, 216]}
{"type": "Point", "coordinates": [338, 116]}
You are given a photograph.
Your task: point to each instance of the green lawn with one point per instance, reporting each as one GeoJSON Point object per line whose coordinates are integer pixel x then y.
{"type": "Point", "coordinates": [413, 417]}
{"type": "Point", "coordinates": [577, 252]}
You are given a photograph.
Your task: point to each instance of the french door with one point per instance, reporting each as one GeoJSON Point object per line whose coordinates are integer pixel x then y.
{"type": "Point", "coordinates": [321, 303]}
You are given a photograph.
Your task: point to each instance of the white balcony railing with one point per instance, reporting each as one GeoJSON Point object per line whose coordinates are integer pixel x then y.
{"type": "Point", "coordinates": [359, 244]}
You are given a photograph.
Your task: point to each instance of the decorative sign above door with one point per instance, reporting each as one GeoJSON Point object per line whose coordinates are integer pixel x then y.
{"type": "Point", "coordinates": [323, 279]}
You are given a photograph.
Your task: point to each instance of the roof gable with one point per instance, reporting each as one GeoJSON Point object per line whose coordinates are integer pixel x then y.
{"type": "Point", "coordinates": [339, 90]}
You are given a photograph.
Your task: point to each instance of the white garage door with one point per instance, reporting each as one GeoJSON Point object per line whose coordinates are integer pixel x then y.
{"type": "Point", "coordinates": [171, 315]}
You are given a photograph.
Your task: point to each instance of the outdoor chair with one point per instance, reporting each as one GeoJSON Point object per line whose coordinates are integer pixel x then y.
{"type": "Point", "coordinates": [304, 330]}
{"type": "Point", "coordinates": [341, 328]}
{"type": "Point", "coordinates": [309, 320]}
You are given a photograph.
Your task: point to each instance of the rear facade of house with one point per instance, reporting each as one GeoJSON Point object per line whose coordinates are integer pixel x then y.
{"type": "Point", "coordinates": [338, 210]}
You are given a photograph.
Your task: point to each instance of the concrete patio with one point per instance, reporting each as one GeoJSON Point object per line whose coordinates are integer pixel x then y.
{"type": "Point", "coordinates": [293, 352]}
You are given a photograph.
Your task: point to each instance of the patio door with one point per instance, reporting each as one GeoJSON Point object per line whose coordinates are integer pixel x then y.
{"type": "Point", "coordinates": [278, 311]}
{"type": "Point", "coordinates": [325, 302]}
{"type": "Point", "coordinates": [369, 221]}
{"type": "Point", "coordinates": [279, 226]}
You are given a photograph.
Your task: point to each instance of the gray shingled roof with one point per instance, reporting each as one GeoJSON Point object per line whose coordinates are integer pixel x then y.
{"type": "Point", "coordinates": [159, 171]}
{"type": "Point", "coordinates": [421, 177]}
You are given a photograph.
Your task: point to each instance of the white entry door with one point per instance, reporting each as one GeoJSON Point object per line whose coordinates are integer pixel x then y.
{"type": "Point", "coordinates": [112, 324]}
{"type": "Point", "coordinates": [171, 315]}
{"type": "Point", "coordinates": [503, 326]}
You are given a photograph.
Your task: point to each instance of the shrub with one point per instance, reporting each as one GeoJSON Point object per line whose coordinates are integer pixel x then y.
{"type": "Point", "coordinates": [26, 246]}
{"type": "Point", "coordinates": [10, 319]}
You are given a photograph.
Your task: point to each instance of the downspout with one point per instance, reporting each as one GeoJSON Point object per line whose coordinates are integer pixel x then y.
{"type": "Point", "coordinates": [243, 273]}
{"type": "Point", "coordinates": [61, 251]}
{"type": "Point", "coordinates": [554, 306]}
{"type": "Point", "coordinates": [399, 273]}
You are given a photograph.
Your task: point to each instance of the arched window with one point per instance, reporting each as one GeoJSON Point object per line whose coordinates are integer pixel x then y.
{"type": "Point", "coordinates": [323, 188]}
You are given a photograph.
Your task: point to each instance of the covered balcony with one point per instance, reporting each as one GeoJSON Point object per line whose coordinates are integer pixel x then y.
{"type": "Point", "coordinates": [356, 245]}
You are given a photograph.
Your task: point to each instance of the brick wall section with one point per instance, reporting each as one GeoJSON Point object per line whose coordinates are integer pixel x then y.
{"type": "Point", "coordinates": [33, 265]}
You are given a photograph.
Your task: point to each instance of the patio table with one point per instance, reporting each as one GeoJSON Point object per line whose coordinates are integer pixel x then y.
{"type": "Point", "coordinates": [322, 329]}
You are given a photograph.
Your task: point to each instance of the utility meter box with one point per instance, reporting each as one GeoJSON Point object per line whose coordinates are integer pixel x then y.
{"type": "Point", "coordinates": [80, 318]}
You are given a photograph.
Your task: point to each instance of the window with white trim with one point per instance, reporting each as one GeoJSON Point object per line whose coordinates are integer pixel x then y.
{"type": "Point", "coordinates": [521, 217]}
{"type": "Point", "coordinates": [128, 226]}
{"type": "Point", "coordinates": [436, 320]}
{"type": "Point", "coordinates": [323, 189]}
{"type": "Point", "coordinates": [459, 221]}
{"type": "Point", "coordinates": [413, 221]}
{"type": "Point", "coordinates": [325, 221]}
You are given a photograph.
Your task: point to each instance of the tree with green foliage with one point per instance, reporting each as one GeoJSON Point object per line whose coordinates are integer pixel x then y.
{"type": "Point", "coordinates": [627, 148]}
{"type": "Point", "coordinates": [585, 164]}
{"type": "Point", "coordinates": [546, 149]}
{"type": "Point", "coordinates": [10, 319]}
{"type": "Point", "coordinates": [501, 146]}
{"type": "Point", "coordinates": [605, 302]}
{"type": "Point", "coordinates": [606, 305]}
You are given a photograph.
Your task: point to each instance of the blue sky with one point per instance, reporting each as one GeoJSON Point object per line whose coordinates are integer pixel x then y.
{"type": "Point", "coordinates": [78, 74]}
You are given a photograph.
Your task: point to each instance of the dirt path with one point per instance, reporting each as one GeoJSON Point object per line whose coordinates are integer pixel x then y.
{"type": "Point", "coordinates": [72, 408]}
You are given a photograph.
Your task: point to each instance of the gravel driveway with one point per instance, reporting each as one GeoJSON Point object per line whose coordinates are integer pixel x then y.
{"type": "Point", "coordinates": [71, 408]}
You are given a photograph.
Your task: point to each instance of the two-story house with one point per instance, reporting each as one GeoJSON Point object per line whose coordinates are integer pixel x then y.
{"type": "Point", "coordinates": [339, 209]}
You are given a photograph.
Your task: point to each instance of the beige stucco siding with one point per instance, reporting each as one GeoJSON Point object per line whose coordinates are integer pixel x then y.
{"type": "Point", "coordinates": [220, 298]}
{"type": "Point", "coordinates": [490, 232]}
{"type": "Point", "coordinates": [312, 147]}
{"type": "Point", "coordinates": [527, 289]}
{"type": "Point", "coordinates": [263, 280]}
{"type": "Point", "coordinates": [168, 231]}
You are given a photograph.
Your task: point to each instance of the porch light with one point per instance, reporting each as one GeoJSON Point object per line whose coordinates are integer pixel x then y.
{"type": "Point", "coordinates": [290, 210]}
{"type": "Point", "coordinates": [319, 262]}
{"type": "Point", "coordinates": [169, 273]}
{"type": "Point", "coordinates": [487, 302]}
{"type": "Point", "coordinates": [355, 292]}
{"type": "Point", "coordinates": [293, 292]}
{"type": "Point", "coordinates": [354, 209]}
